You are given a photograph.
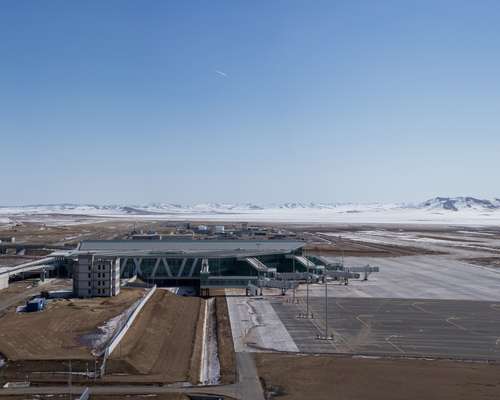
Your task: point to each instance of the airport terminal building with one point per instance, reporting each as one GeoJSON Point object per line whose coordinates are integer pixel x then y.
{"type": "Point", "coordinates": [202, 264]}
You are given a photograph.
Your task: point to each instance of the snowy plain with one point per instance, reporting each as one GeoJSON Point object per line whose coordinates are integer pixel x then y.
{"type": "Point", "coordinates": [344, 214]}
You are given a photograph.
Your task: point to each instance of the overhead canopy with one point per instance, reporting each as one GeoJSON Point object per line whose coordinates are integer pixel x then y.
{"type": "Point", "coordinates": [220, 247]}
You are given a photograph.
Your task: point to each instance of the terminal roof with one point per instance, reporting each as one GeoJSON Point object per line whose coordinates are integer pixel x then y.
{"type": "Point", "coordinates": [190, 246]}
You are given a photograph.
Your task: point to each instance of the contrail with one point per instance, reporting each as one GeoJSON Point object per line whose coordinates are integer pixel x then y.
{"type": "Point", "coordinates": [221, 73]}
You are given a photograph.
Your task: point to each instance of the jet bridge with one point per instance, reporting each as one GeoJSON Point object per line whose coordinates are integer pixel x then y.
{"type": "Point", "coordinates": [297, 276]}
{"type": "Point", "coordinates": [258, 265]}
{"type": "Point", "coordinates": [366, 270]}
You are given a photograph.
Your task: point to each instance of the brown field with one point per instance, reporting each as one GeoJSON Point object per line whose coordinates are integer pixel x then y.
{"type": "Point", "coordinates": [484, 261]}
{"type": "Point", "coordinates": [159, 345]}
{"type": "Point", "coordinates": [16, 293]}
{"type": "Point", "coordinates": [71, 234]}
{"type": "Point", "coordinates": [225, 342]}
{"type": "Point", "coordinates": [165, 396]}
{"type": "Point", "coordinates": [55, 333]}
{"type": "Point", "coordinates": [294, 377]}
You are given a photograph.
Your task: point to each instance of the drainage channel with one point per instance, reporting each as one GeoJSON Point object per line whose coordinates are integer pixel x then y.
{"type": "Point", "coordinates": [210, 367]}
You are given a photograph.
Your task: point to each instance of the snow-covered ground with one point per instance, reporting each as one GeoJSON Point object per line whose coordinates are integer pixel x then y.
{"type": "Point", "coordinates": [256, 326]}
{"type": "Point", "coordinates": [448, 211]}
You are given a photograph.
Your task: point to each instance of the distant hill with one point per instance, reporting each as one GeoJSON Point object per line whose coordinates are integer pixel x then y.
{"type": "Point", "coordinates": [457, 210]}
{"type": "Point", "coordinates": [460, 203]}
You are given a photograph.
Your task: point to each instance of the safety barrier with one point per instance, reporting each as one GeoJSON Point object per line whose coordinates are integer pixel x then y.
{"type": "Point", "coordinates": [119, 336]}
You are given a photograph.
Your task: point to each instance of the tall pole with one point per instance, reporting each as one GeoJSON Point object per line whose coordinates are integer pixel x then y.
{"type": "Point", "coordinates": [293, 262]}
{"type": "Point", "coordinates": [326, 309]}
{"type": "Point", "coordinates": [307, 286]}
{"type": "Point", "coordinates": [69, 381]}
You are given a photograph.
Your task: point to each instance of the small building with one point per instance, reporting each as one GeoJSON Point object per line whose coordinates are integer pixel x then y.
{"type": "Point", "coordinates": [96, 276]}
{"type": "Point", "coordinates": [202, 229]}
{"type": "Point", "coordinates": [220, 229]}
{"type": "Point", "coordinates": [36, 304]}
{"type": "Point", "coordinates": [178, 236]}
{"type": "Point", "coordinates": [146, 236]}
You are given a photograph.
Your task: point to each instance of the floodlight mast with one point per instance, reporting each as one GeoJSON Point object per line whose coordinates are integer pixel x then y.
{"type": "Point", "coordinates": [307, 285]}
{"type": "Point", "coordinates": [326, 308]}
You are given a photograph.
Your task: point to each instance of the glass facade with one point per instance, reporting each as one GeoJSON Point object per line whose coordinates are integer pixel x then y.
{"type": "Point", "coordinates": [168, 269]}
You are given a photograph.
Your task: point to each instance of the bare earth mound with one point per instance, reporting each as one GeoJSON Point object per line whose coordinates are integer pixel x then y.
{"type": "Point", "coordinates": [159, 345]}
{"type": "Point", "coordinates": [294, 377]}
{"type": "Point", "coordinates": [56, 333]}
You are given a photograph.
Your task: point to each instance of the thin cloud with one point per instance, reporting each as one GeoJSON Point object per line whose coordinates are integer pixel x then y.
{"type": "Point", "coordinates": [221, 73]}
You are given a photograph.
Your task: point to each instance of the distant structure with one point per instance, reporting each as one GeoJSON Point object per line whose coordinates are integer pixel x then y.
{"type": "Point", "coordinates": [96, 276]}
{"type": "Point", "coordinates": [146, 236]}
{"type": "Point", "coordinates": [202, 229]}
{"type": "Point", "coordinates": [219, 229]}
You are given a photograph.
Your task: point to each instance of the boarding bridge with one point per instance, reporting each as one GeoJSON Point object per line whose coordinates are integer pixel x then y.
{"type": "Point", "coordinates": [297, 276]}
{"type": "Point", "coordinates": [257, 265]}
{"type": "Point", "coordinates": [228, 282]}
{"type": "Point", "coordinates": [328, 265]}
{"type": "Point", "coordinates": [307, 264]}
{"type": "Point", "coordinates": [366, 270]}
{"type": "Point", "coordinates": [342, 275]}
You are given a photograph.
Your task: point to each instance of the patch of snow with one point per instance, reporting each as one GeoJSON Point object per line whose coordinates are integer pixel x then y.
{"type": "Point", "coordinates": [210, 366]}
{"type": "Point", "coordinates": [98, 339]}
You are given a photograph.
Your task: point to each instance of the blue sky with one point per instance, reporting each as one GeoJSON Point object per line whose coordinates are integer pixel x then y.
{"type": "Point", "coordinates": [122, 101]}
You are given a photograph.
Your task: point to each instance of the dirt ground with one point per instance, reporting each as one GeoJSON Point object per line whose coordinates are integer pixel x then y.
{"type": "Point", "coordinates": [166, 396]}
{"type": "Point", "coordinates": [225, 342]}
{"type": "Point", "coordinates": [21, 290]}
{"type": "Point", "coordinates": [484, 261]}
{"type": "Point", "coordinates": [56, 333]}
{"type": "Point", "coordinates": [294, 377]}
{"type": "Point", "coordinates": [159, 345]}
{"type": "Point", "coordinates": [70, 234]}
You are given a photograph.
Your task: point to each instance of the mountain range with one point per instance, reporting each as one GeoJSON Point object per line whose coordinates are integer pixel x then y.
{"type": "Point", "coordinates": [450, 204]}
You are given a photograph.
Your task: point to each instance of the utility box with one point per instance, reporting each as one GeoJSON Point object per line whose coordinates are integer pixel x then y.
{"type": "Point", "coordinates": [36, 304]}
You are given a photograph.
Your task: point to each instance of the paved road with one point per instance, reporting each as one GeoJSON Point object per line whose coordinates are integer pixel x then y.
{"type": "Point", "coordinates": [249, 383]}
{"type": "Point", "coordinates": [230, 390]}
{"type": "Point", "coordinates": [247, 388]}
{"type": "Point", "coordinates": [255, 326]}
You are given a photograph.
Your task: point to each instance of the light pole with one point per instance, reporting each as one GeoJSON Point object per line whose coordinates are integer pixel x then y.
{"type": "Point", "coordinates": [307, 286]}
{"type": "Point", "coordinates": [326, 308]}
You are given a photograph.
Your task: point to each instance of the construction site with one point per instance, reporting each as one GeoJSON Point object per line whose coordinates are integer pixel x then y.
{"type": "Point", "coordinates": [329, 312]}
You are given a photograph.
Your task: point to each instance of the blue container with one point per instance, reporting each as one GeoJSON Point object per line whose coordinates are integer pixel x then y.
{"type": "Point", "coordinates": [37, 304]}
